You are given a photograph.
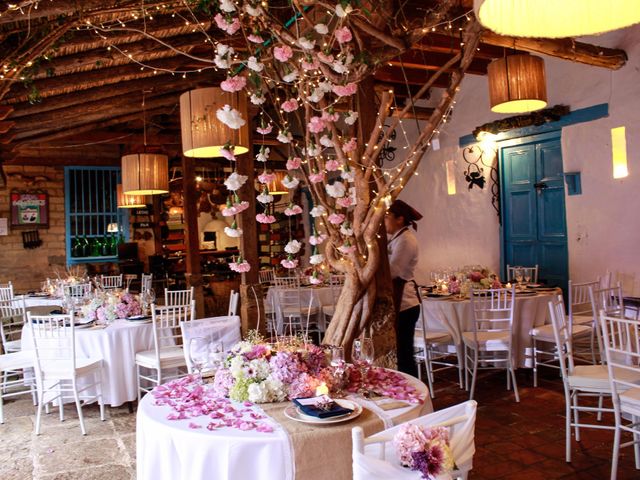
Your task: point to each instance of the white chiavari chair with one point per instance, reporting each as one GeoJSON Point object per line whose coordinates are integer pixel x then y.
{"type": "Point", "coordinates": [6, 291]}
{"type": "Point", "coordinates": [621, 341]}
{"type": "Point", "coordinates": [527, 272]}
{"type": "Point", "coordinates": [146, 282]}
{"type": "Point", "coordinates": [266, 276]}
{"type": "Point", "coordinates": [336, 282]}
{"type": "Point", "coordinates": [178, 297]}
{"type": "Point", "coordinates": [13, 315]}
{"type": "Point", "coordinates": [111, 281]}
{"type": "Point", "coordinates": [167, 353]}
{"type": "Point", "coordinates": [581, 313]}
{"type": "Point", "coordinates": [58, 367]}
{"type": "Point", "coordinates": [297, 315]}
{"type": "Point", "coordinates": [12, 367]}
{"type": "Point", "coordinates": [491, 340]}
{"type": "Point", "coordinates": [129, 278]}
{"type": "Point", "coordinates": [234, 300]}
{"type": "Point", "coordinates": [224, 330]}
{"type": "Point", "coordinates": [374, 457]}
{"type": "Point", "coordinates": [79, 290]}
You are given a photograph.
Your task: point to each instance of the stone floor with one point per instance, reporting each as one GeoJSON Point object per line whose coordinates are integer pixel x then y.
{"type": "Point", "coordinates": [514, 441]}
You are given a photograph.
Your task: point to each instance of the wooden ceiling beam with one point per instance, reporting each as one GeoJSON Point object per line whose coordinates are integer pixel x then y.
{"type": "Point", "coordinates": [6, 126]}
{"type": "Point", "coordinates": [414, 77]}
{"type": "Point", "coordinates": [439, 43]}
{"type": "Point", "coordinates": [62, 160]}
{"type": "Point", "coordinates": [7, 138]}
{"type": "Point", "coordinates": [5, 111]}
{"type": "Point", "coordinates": [433, 61]}
{"type": "Point", "coordinates": [121, 137]}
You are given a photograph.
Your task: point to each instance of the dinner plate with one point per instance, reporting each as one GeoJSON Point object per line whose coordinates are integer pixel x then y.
{"type": "Point", "coordinates": [292, 412]}
{"type": "Point", "coordinates": [139, 318]}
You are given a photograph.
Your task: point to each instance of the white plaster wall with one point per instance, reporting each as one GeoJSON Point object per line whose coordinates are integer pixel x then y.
{"type": "Point", "coordinates": [603, 226]}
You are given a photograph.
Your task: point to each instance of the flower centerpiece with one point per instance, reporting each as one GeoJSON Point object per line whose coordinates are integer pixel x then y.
{"type": "Point", "coordinates": [483, 278]}
{"type": "Point", "coordinates": [424, 449]}
{"type": "Point", "coordinates": [108, 306]}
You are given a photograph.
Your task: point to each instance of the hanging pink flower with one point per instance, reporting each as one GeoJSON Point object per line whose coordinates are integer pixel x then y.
{"type": "Point", "coordinates": [336, 218]}
{"type": "Point", "coordinates": [264, 218]}
{"type": "Point", "coordinates": [313, 65]}
{"type": "Point", "coordinates": [229, 27]}
{"type": "Point", "coordinates": [294, 163]}
{"type": "Point", "coordinates": [347, 248]}
{"type": "Point", "coordinates": [265, 177]}
{"type": "Point", "coordinates": [265, 130]}
{"type": "Point", "coordinates": [234, 84]}
{"type": "Point", "coordinates": [293, 210]}
{"type": "Point", "coordinates": [332, 165]}
{"type": "Point", "coordinates": [330, 117]}
{"type": "Point", "coordinates": [343, 35]}
{"type": "Point", "coordinates": [233, 209]}
{"type": "Point", "coordinates": [283, 53]}
{"type": "Point", "coordinates": [350, 146]}
{"type": "Point", "coordinates": [255, 38]}
{"type": "Point", "coordinates": [289, 262]}
{"type": "Point", "coordinates": [240, 266]}
{"type": "Point", "coordinates": [345, 90]}
{"type": "Point", "coordinates": [324, 58]}
{"type": "Point", "coordinates": [290, 105]}
{"type": "Point", "coordinates": [316, 177]}
{"type": "Point", "coordinates": [317, 239]}
{"type": "Point", "coordinates": [227, 152]}
{"type": "Point", "coordinates": [316, 125]}
{"type": "Point", "coordinates": [345, 202]}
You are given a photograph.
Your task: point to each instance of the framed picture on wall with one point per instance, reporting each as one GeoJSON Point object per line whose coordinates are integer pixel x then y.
{"type": "Point", "coordinates": [29, 208]}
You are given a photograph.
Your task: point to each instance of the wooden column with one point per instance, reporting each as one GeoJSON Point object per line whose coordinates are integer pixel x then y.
{"type": "Point", "coordinates": [190, 201]}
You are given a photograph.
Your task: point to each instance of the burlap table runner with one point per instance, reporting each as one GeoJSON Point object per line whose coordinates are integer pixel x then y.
{"type": "Point", "coordinates": [323, 451]}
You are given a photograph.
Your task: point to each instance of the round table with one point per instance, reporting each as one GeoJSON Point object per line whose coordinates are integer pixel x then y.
{"type": "Point", "coordinates": [117, 344]}
{"type": "Point", "coordinates": [186, 450]}
{"type": "Point", "coordinates": [456, 316]}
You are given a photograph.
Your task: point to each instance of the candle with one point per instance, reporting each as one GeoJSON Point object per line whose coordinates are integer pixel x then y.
{"type": "Point", "coordinates": [445, 289]}
{"type": "Point", "coordinates": [508, 285]}
{"type": "Point", "coordinates": [322, 389]}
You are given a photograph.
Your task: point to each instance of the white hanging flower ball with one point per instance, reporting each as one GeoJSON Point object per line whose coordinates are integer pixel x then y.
{"type": "Point", "coordinates": [233, 232]}
{"type": "Point", "coordinates": [231, 117]}
{"type": "Point", "coordinates": [336, 189]}
{"type": "Point", "coordinates": [254, 64]}
{"type": "Point", "coordinates": [265, 198]}
{"type": "Point", "coordinates": [227, 6]}
{"type": "Point", "coordinates": [316, 259]}
{"type": "Point", "coordinates": [290, 182]}
{"type": "Point", "coordinates": [293, 247]}
{"type": "Point", "coordinates": [321, 28]}
{"type": "Point", "coordinates": [235, 181]}
{"type": "Point", "coordinates": [318, 211]}
{"type": "Point", "coordinates": [351, 117]}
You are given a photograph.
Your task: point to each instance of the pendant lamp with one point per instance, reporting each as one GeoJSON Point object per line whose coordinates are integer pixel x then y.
{"type": "Point", "coordinates": [129, 201]}
{"type": "Point", "coordinates": [145, 174]}
{"type": "Point", "coordinates": [556, 18]}
{"type": "Point", "coordinates": [517, 84]}
{"type": "Point", "coordinates": [203, 134]}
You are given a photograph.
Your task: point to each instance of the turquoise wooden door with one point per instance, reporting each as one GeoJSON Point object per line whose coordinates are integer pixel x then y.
{"type": "Point", "coordinates": [534, 224]}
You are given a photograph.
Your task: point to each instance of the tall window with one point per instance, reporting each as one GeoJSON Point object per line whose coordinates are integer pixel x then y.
{"type": "Point", "coordinates": [94, 226]}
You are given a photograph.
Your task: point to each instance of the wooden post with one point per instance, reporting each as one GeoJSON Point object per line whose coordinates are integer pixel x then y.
{"type": "Point", "coordinates": [190, 201]}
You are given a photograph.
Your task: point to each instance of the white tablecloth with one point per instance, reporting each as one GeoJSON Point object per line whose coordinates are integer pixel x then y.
{"type": "Point", "coordinates": [456, 317]}
{"type": "Point", "coordinates": [318, 296]}
{"type": "Point", "coordinates": [171, 450]}
{"type": "Point", "coordinates": [37, 301]}
{"type": "Point", "coordinates": [117, 344]}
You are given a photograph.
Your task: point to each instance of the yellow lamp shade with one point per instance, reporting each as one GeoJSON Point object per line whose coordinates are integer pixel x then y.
{"type": "Point", "coordinates": [619, 152]}
{"type": "Point", "coordinates": [129, 201]}
{"type": "Point", "coordinates": [517, 84]}
{"type": "Point", "coordinates": [556, 18]}
{"type": "Point", "coordinates": [203, 134]}
{"type": "Point", "coordinates": [145, 174]}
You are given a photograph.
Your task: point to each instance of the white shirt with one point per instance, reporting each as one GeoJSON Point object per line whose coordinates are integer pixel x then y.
{"type": "Point", "coordinates": [402, 248]}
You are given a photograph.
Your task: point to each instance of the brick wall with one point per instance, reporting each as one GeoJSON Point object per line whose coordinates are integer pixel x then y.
{"type": "Point", "coordinates": [27, 268]}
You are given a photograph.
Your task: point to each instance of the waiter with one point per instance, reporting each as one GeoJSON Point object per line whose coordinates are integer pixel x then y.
{"type": "Point", "coordinates": [402, 248]}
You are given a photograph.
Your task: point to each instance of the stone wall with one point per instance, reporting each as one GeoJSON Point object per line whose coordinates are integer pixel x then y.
{"type": "Point", "coordinates": [27, 268]}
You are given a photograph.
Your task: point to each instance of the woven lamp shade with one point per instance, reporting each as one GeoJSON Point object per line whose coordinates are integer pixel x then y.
{"type": "Point", "coordinates": [145, 174]}
{"type": "Point", "coordinates": [129, 201]}
{"type": "Point", "coordinates": [517, 84]}
{"type": "Point", "coordinates": [202, 133]}
{"type": "Point", "coordinates": [556, 18]}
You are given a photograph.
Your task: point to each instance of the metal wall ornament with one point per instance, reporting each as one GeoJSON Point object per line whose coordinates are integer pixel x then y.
{"type": "Point", "coordinates": [477, 159]}
{"type": "Point", "coordinates": [388, 152]}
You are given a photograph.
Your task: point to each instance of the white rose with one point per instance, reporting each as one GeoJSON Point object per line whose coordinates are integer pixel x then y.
{"type": "Point", "coordinates": [343, 12]}
{"type": "Point", "coordinates": [318, 211]}
{"type": "Point", "coordinates": [313, 151]}
{"type": "Point", "coordinates": [316, 259]}
{"type": "Point", "coordinates": [326, 141]}
{"type": "Point", "coordinates": [316, 96]}
{"type": "Point", "coordinates": [235, 181]}
{"type": "Point", "coordinates": [231, 117]}
{"type": "Point", "coordinates": [336, 189]}
{"type": "Point", "coordinates": [264, 198]}
{"type": "Point", "coordinates": [293, 247]}
{"type": "Point", "coordinates": [306, 44]}
{"type": "Point", "coordinates": [321, 28]}
{"type": "Point", "coordinates": [227, 6]}
{"type": "Point", "coordinates": [290, 77]}
{"type": "Point", "coordinates": [351, 118]}
{"type": "Point", "coordinates": [257, 99]}
{"type": "Point", "coordinates": [346, 231]}
{"type": "Point", "coordinates": [290, 182]}
{"type": "Point", "coordinates": [233, 232]}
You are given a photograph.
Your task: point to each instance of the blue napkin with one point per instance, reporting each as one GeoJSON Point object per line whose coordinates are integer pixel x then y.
{"type": "Point", "coordinates": [308, 407]}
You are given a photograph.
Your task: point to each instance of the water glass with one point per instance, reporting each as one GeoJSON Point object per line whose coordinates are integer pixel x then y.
{"type": "Point", "coordinates": [198, 354]}
{"type": "Point", "coordinates": [216, 354]}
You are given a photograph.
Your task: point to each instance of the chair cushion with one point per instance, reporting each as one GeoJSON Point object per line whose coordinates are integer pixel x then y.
{"type": "Point", "coordinates": [16, 360]}
{"type": "Point", "coordinates": [545, 332]}
{"type": "Point", "coordinates": [13, 346]}
{"type": "Point", "coordinates": [630, 401]}
{"type": "Point", "coordinates": [431, 338]}
{"type": "Point", "coordinates": [62, 369]}
{"type": "Point", "coordinates": [169, 357]}
{"type": "Point", "coordinates": [596, 377]}
{"type": "Point", "coordinates": [496, 341]}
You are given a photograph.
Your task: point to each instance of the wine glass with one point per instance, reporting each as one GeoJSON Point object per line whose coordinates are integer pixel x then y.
{"type": "Point", "coordinates": [198, 354]}
{"type": "Point", "coordinates": [527, 276]}
{"type": "Point", "coordinates": [518, 275]}
{"type": "Point", "coordinates": [216, 355]}
{"type": "Point", "coordinates": [367, 351]}
{"type": "Point", "coordinates": [337, 356]}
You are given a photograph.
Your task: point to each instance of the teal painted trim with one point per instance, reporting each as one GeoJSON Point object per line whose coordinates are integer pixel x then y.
{"type": "Point", "coordinates": [578, 116]}
{"type": "Point", "coordinates": [541, 137]}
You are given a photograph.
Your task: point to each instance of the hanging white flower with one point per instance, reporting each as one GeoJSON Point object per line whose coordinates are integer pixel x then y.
{"type": "Point", "coordinates": [263, 154]}
{"type": "Point", "coordinates": [293, 247]}
{"type": "Point", "coordinates": [227, 6]}
{"type": "Point", "coordinates": [257, 99]}
{"type": "Point", "coordinates": [284, 137]}
{"type": "Point", "coordinates": [235, 181]}
{"type": "Point", "coordinates": [316, 259]}
{"type": "Point", "coordinates": [346, 230]}
{"type": "Point", "coordinates": [316, 96]}
{"type": "Point", "coordinates": [290, 77]}
{"type": "Point", "coordinates": [306, 44]}
{"type": "Point", "coordinates": [325, 86]}
{"type": "Point", "coordinates": [233, 232]}
{"type": "Point", "coordinates": [318, 211]}
{"type": "Point", "coordinates": [336, 189]}
{"type": "Point", "coordinates": [348, 175]}
{"type": "Point", "coordinates": [351, 117]}
{"type": "Point", "coordinates": [313, 150]}
{"type": "Point", "coordinates": [326, 141]}
{"type": "Point", "coordinates": [339, 67]}
{"type": "Point", "coordinates": [265, 198]}
{"type": "Point", "coordinates": [290, 182]}
{"type": "Point", "coordinates": [253, 11]}
{"type": "Point", "coordinates": [231, 117]}
{"type": "Point", "coordinates": [223, 53]}
{"type": "Point", "coordinates": [317, 239]}
{"type": "Point", "coordinates": [343, 12]}
{"type": "Point", "coordinates": [254, 64]}
{"type": "Point", "coordinates": [321, 28]}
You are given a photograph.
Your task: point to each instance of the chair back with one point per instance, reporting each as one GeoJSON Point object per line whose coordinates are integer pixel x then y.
{"type": "Point", "coordinates": [111, 281]}
{"type": "Point", "coordinates": [225, 329]}
{"type": "Point", "coordinates": [608, 300]}
{"type": "Point", "coordinates": [621, 340]}
{"type": "Point", "coordinates": [54, 342]}
{"type": "Point", "coordinates": [80, 290]}
{"type": "Point", "coordinates": [531, 272]}
{"type": "Point", "coordinates": [234, 300]}
{"type": "Point", "coordinates": [493, 310]}
{"type": "Point", "coordinates": [146, 282]}
{"type": "Point", "coordinates": [286, 282]}
{"type": "Point", "coordinates": [166, 324]}
{"type": "Point", "coordinates": [266, 276]}
{"type": "Point", "coordinates": [290, 306]}
{"type": "Point", "coordinates": [580, 299]}
{"type": "Point", "coordinates": [563, 337]}
{"type": "Point", "coordinates": [178, 297]}
{"type": "Point", "coordinates": [374, 457]}
{"type": "Point", "coordinates": [13, 315]}
{"type": "Point", "coordinates": [6, 291]}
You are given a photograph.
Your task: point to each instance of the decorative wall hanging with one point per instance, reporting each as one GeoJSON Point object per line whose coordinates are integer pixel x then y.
{"type": "Point", "coordinates": [29, 208]}
{"type": "Point", "coordinates": [388, 152]}
{"type": "Point", "coordinates": [477, 160]}
{"type": "Point", "coordinates": [31, 239]}
{"type": "Point", "coordinates": [538, 118]}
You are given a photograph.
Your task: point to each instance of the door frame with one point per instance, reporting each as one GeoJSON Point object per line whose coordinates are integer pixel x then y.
{"type": "Point", "coordinates": [500, 145]}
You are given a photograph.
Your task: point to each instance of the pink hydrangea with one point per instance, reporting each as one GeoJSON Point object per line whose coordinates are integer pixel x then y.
{"type": "Point", "coordinates": [234, 84]}
{"type": "Point", "coordinates": [264, 218]}
{"type": "Point", "coordinates": [290, 105]}
{"type": "Point", "coordinates": [332, 165]}
{"type": "Point", "coordinates": [350, 146]}
{"type": "Point", "coordinates": [336, 218]}
{"type": "Point", "coordinates": [343, 35]}
{"type": "Point", "coordinates": [282, 53]}
{"type": "Point", "coordinates": [345, 90]}
{"type": "Point", "coordinates": [294, 163]}
{"type": "Point", "coordinates": [316, 125]}
{"type": "Point", "coordinates": [229, 27]}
